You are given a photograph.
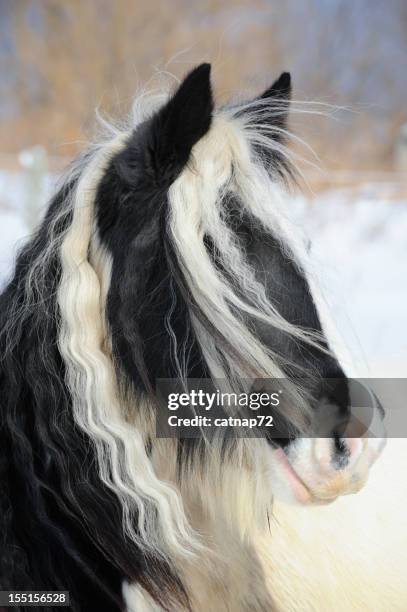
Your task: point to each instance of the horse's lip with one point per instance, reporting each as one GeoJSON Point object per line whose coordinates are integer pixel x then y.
{"type": "Point", "coordinates": [300, 490]}
{"type": "Point", "coordinates": [298, 487]}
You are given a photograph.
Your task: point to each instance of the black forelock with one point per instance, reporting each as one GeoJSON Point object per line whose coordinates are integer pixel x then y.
{"type": "Point", "coordinates": [145, 297]}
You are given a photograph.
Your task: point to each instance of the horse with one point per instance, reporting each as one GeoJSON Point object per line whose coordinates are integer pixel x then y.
{"type": "Point", "coordinates": [166, 254]}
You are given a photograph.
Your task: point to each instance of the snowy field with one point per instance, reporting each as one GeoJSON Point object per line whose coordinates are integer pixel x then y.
{"type": "Point", "coordinates": [359, 241]}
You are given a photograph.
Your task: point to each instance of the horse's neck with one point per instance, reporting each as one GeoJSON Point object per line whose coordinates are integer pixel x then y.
{"type": "Point", "coordinates": [345, 557]}
{"type": "Point", "coordinates": [231, 577]}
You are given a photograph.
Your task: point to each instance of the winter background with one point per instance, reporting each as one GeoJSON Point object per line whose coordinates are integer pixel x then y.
{"type": "Point", "coordinates": [62, 60]}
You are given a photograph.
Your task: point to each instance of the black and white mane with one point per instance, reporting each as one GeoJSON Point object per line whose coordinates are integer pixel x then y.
{"type": "Point", "coordinates": [165, 253]}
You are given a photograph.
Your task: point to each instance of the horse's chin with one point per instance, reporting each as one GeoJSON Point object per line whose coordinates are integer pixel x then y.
{"type": "Point", "coordinates": [308, 473]}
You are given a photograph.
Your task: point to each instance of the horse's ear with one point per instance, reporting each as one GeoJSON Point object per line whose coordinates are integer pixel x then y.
{"type": "Point", "coordinates": [182, 121]}
{"type": "Point", "coordinates": [280, 89]}
{"type": "Point", "coordinates": [277, 98]}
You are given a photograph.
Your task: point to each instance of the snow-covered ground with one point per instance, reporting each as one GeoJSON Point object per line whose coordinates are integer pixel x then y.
{"type": "Point", "coordinates": [359, 240]}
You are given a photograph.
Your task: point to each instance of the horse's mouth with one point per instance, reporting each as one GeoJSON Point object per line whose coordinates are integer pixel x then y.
{"type": "Point", "coordinates": [342, 485]}
{"type": "Point", "coordinates": [299, 489]}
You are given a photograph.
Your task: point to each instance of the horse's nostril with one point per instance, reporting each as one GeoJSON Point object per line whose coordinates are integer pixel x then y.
{"type": "Point", "coordinates": [341, 454]}
{"type": "Point", "coordinates": [346, 452]}
{"type": "Point", "coordinates": [340, 445]}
